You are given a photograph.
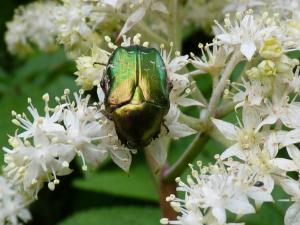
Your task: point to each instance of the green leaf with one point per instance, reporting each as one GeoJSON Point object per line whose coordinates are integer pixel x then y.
{"type": "Point", "coordinates": [40, 65]}
{"type": "Point", "coordinates": [128, 215]}
{"type": "Point", "coordinates": [138, 184]}
{"type": "Point", "coordinates": [268, 212]}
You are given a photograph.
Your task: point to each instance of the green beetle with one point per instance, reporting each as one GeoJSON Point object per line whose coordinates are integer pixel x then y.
{"type": "Point", "coordinates": [136, 91]}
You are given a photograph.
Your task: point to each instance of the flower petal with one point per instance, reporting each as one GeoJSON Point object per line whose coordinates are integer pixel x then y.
{"type": "Point", "coordinates": [227, 129]}
{"type": "Point", "coordinates": [290, 186]}
{"type": "Point", "coordinates": [284, 164]}
{"type": "Point", "coordinates": [121, 157]}
{"type": "Point", "coordinates": [292, 215]}
{"type": "Point", "coordinates": [219, 214]}
{"type": "Point", "coordinates": [234, 150]}
{"type": "Point", "coordinates": [158, 151]}
{"type": "Point", "coordinates": [177, 130]}
{"type": "Point", "coordinates": [133, 19]}
{"type": "Point", "coordinates": [159, 6]}
{"type": "Point", "coordinates": [188, 102]}
{"type": "Point", "coordinates": [248, 49]}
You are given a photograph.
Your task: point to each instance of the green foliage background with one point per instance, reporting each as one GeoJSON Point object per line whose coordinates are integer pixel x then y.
{"type": "Point", "coordinates": [106, 196]}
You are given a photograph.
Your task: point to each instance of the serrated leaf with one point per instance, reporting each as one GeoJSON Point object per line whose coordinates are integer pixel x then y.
{"type": "Point", "coordinates": [128, 215]}
{"type": "Point", "coordinates": [138, 184]}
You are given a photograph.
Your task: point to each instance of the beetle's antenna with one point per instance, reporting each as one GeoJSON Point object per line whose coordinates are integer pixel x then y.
{"type": "Point", "coordinates": [119, 39]}
{"type": "Point", "coordinates": [99, 63]}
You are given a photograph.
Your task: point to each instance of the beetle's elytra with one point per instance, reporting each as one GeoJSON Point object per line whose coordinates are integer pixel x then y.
{"type": "Point", "coordinates": [136, 92]}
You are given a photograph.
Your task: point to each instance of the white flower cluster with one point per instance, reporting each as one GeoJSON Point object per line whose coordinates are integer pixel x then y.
{"type": "Point", "coordinates": [268, 96]}
{"type": "Point", "coordinates": [12, 205]}
{"type": "Point", "coordinates": [30, 28]}
{"type": "Point", "coordinates": [213, 189]}
{"type": "Point", "coordinates": [77, 24]}
{"type": "Point", "coordinates": [48, 143]}
{"type": "Point", "coordinates": [284, 24]}
{"type": "Point", "coordinates": [91, 68]}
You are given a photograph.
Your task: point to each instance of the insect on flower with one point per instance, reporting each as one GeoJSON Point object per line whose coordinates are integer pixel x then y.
{"type": "Point", "coordinates": [136, 91]}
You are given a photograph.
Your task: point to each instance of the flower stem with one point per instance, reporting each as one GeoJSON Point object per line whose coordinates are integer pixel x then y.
{"type": "Point", "coordinates": [192, 122]}
{"type": "Point", "coordinates": [218, 91]}
{"type": "Point", "coordinates": [174, 25]}
{"type": "Point", "coordinates": [224, 109]}
{"type": "Point", "coordinates": [164, 188]}
{"type": "Point", "coordinates": [190, 153]}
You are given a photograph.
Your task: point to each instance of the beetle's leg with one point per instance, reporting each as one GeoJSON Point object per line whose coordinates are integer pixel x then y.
{"type": "Point", "coordinates": [104, 83]}
{"type": "Point", "coordinates": [104, 112]}
{"type": "Point", "coordinates": [165, 126]}
{"type": "Point", "coordinates": [170, 84]}
{"type": "Point", "coordinates": [107, 115]}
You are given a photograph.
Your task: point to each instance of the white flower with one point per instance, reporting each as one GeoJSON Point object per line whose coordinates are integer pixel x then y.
{"type": "Point", "coordinates": [213, 190]}
{"type": "Point", "coordinates": [245, 33]}
{"type": "Point", "coordinates": [91, 135]}
{"type": "Point", "coordinates": [76, 22]}
{"type": "Point", "coordinates": [211, 61]}
{"type": "Point", "coordinates": [52, 142]}
{"type": "Point", "coordinates": [48, 123]}
{"type": "Point", "coordinates": [102, 131]}
{"type": "Point", "coordinates": [32, 26]}
{"type": "Point", "coordinates": [220, 194]}
{"type": "Point", "coordinates": [29, 166]}
{"type": "Point", "coordinates": [191, 216]}
{"type": "Point", "coordinates": [280, 110]}
{"type": "Point", "coordinates": [173, 66]}
{"type": "Point", "coordinates": [292, 187]}
{"type": "Point", "coordinates": [84, 136]}
{"type": "Point", "coordinates": [91, 68]}
{"type": "Point", "coordinates": [266, 165]}
{"type": "Point", "coordinates": [294, 154]}
{"type": "Point", "coordinates": [180, 82]}
{"type": "Point", "coordinates": [158, 150]}
{"type": "Point", "coordinates": [245, 138]}
{"type": "Point", "coordinates": [249, 92]}
{"type": "Point", "coordinates": [176, 128]}
{"type": "Point", "coordinates": [13, 209]}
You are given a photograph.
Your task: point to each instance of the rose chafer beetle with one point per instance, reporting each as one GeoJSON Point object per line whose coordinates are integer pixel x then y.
{"type": "Point", "coordinates": [136, 91]}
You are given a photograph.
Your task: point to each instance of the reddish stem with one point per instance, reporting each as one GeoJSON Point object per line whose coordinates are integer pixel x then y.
{"type": "Point", "coordinates": [165, 189]}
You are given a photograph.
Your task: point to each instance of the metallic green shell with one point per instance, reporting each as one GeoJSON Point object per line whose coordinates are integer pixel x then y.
{"type": "Point", "coordinates": [136, 94]}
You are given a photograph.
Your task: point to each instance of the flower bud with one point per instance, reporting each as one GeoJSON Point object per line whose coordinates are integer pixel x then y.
{"type": "Point", "coordinates": [253, 73]}
{"type": "Point", "coordinates": [267, 68]}
{"type": "Point", "coordinates": [286, 64]}
{"type": "Point", "coordinates": [271, 49]}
